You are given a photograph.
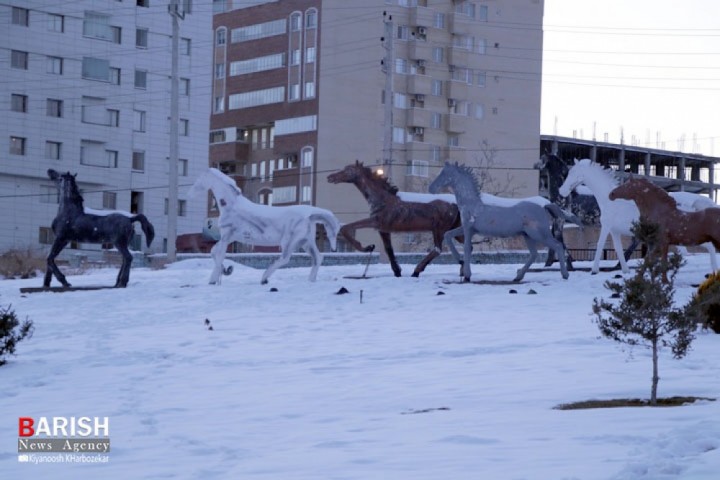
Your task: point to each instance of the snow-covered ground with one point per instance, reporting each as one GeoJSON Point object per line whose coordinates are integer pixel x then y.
{"type": "Point", "coordinates": [302, 383]}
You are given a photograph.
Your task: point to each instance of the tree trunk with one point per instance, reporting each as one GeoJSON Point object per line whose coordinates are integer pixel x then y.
{"type": "Point", "coordinates": [655, 377]}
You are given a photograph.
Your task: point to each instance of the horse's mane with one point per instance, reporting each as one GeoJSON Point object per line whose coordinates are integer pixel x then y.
{"type": "Point", "coordinates": [75, 195]}
{"type": "Point", "coordinates": [383, 181]}
{"type": "Point", "coordinates": [468, 171]}
{"type": "Point", "coordinates": [596, 167]}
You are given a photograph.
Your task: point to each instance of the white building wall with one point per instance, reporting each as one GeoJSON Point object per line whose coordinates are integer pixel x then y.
{"type": "Point", "coordinates": [22, 177]}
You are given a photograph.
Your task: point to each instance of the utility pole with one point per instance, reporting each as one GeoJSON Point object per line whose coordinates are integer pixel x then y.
{"type": "Point", "coordinates": [389, 64]}
{"type": "Point", "coordinates": [175, 14]}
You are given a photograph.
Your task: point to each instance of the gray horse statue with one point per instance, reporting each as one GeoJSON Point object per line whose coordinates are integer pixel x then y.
{"type": "Point", "coordinates": [526, 219]}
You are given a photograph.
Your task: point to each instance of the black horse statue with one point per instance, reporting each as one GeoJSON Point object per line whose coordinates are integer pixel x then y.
{"type": "Point", "coordinates": [554, 170]}
{"type": "Point", "coordinates": [73, 224]}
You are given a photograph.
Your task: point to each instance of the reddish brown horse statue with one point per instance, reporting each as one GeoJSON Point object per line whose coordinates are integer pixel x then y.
{"type": "Point", "coordinates": [676, 227]}
{"type": "Point", "coordinates": [388, 214]}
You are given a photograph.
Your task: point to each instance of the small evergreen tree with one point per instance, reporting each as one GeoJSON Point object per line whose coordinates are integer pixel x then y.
{"type": "Point", "coordinates": [12, 331]}
{"type": "Point", "coordinates": [645, 315]}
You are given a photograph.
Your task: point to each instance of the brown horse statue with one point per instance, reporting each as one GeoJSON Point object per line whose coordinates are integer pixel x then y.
{"type": "Point", "coordinates": [676, 227]}
{"type": "Point", "coordinates": [388, 214]}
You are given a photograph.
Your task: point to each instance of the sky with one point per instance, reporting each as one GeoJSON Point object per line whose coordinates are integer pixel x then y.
{"type": "Point", "coordinates": [648, 68]}
{"type": "Point", "coordinates": [390, 381]}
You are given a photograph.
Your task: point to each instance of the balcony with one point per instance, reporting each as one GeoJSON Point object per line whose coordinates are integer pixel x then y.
{"type": "Point", "coordinates": [220, 152]}
{"type": "Point", "coordinates": [456, 123]}
{"type": "Point", "coordinates": [419, 84]}
{"type": "Point", "coordinates": [457, 90]}
{"type": "Point", "coordinates": [422, 17]}
{"type": "Point", "coordinates": [458, 56]}
{"type": "Point", "coordinates": [418, 117]}
{"type": "Point", "coordinates": [419, 50]}
{"type": "Point", "coordinates": [461, 24]}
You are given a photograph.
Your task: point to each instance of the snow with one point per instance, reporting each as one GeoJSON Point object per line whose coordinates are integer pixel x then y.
{"type": "Point", "coordinates": [302, 383]}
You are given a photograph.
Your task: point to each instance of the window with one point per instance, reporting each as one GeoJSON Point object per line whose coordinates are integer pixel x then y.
{"type": "Point", "coordinates": [400, 100]}
{"type": "Point", "coordinates": [310, 55]}
{"type": "Point", "coordinates": [20, 16]}
{"type": "Point", "coordinates": [399, 135]}
{"type": "Point", "coordinates": [436, 88]}
{"type": "Point", "coordinates": [481, 46]}
{"type": "Point", "coordinates": [219, 70]}
{"type": "Point", "coordinates": [306, 194]}
{"type": "Point", "coordinates": [109, 201]}
{"type": "Point", "coordinates": [295, 22]}
{"type": "Point", "coordinates": [141, 79]}
{"type": "Point", "coordinates": [417, 168]}
{"type": "Point", "coordinates": [219, 105]}
{"type": "Point", "coordinates": [185, 46]}
{"type": "Point", "coordinates": [217, 136]}
{"type": "Point", "coordinates": [54, 108]}
{"type": "Point", "coordinates": [96, 69]}
{"type": "Point", "coordinates": [138, 160]}
{"type": "Point", "coordinates": [143, 3]}
{"type": "Point", "coordinates": [294, 92]}
{"type": "Point", "coordinates": [49, 194]}
{"type": "Point", "coordinates": [483, 13]}
{"type": "Point", "coordinates": [439, 20]}
{"type": "Point", "coordinates": [259, 30]}
{"type": "Point", "coordinates": [94, 154]}
{"type": "Point", "coordinates": [309, 89]}
{"type": "Point", "coordinates": [480, 78]}
{"type": "Point", "coordinates": [295, 57]}
{"type": "Point", "coordinates": [56, 23]}
{"type": "Point", "coordinates": [311, 18]}
{"type": "Point", "coordinates": [438, 54]}
{"type": "Point", "coordinates": [53, 150]}
{"type": "Point", "coordinates": [55, 65]}
{"type": "Point", "coordinates": [185, 87]}
{"type": "Point", "coordinates": [181, 207]}
{"type": "Point", "coordinates": [453, 140]}
{"type": "Point", "coordinates": [112, 158]}
{"type": "Point", "coordinates": [436, 153]}
{"type": "Point", "coordinates": [296, 125]}
{"type": "Point", "coordinates": [19, 103]}
{"type": "Point", "coordinates": [221, 37]}
{"type": "Point", "coordinates": [46, 235]}
{"type": "Point", "coordinates": [258, 64]}
{"type": "Point", "coordinates": [113, 117]}
{"type": "Point", "coordinates": [256, 97]}
{"type": "Point", "coordinates": [139, 120]}
{"type": "Point", "coordinates": [284, 195]}
{"type": "Point", "coordinates": [19, 59]}
{"type": "Point", "coordinates": [306, 156]}
{"type": "Point", "coordinates": [97, 25]}
{"type": "Point", "coordinates": [403, 32]}
{"type": "Point", "coordinates": [401, 65]}
{"type": "Point", "coordinates": [141, 38]}
{"type": "Point", "coordinates": [479, 111]}
{"type": "Point", "coordinates": [436, 120]}
{"type": "Point", "coordinates": [184, 127]}
{"type": "Point", "coordinates": [17, 145]}
{"type": "Point", "coordinates": [183, 167]}
{"type": "Point", "coordinates": [114, 74]}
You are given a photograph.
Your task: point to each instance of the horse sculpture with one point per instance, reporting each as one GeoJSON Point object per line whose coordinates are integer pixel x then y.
{"type": "Point", "coordinates": [72, 223]}
{"type": "Point", "coordinates": [290, 227]}
{"type": "Point", "coordinates": [616, 216]}
{"type": "Point", "coordinates": [389, 213]}
{"type": "Point", "coordinates": [529, 220]}
{"type": "Point", "coordinates": [676, 226]}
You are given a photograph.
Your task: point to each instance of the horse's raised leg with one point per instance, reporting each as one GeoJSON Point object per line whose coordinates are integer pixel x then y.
{"type": "Point", "coordinates": [387, 243]}
{"type": "Point", "coordinates": [348, 233]}
{"type": "Point", "coordinates": [218, 254]}
{"type": "Point", "coordinates": [124, 273]}
{"type": "Point", "coordinates": [52, 268]}
{"type": "Point", "coordinates": [554, 244]}
{"type": "Point", "coordinates": [532, 246]}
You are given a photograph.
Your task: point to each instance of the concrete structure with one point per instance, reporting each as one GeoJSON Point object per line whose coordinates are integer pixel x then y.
{"type": "Point", "coordinates": [86, 89]}
{"type": "Point", "coordinates": [674, 171]}
{"type": "Point", "coordinates": [299, 92]}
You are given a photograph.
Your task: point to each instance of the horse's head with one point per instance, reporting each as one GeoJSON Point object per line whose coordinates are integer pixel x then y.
{"type": "Point", "coordinates": [349, 174]}
{"type": "Point", "coordinates": [66, 184]}
{"type": "Point", "coordinates": [576, 176]}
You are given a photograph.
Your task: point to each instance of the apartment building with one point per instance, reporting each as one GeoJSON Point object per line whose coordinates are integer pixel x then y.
{"type": "Point", "coordinates": [300, 90]}
{"type": "Point", "coordinates": [86, 89]}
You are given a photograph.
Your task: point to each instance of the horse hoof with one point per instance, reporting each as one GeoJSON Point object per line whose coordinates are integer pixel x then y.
{"type": "Point", "coordinates": [227, 270]}
{"type": "Point", "coordinates": [416, 274]}
{"type": "Point", "coordinates": [370, 248]}
{"type": "Point", "coordinates": [263, 282]}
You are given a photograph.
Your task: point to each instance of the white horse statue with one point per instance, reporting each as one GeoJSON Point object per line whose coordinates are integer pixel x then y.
{"type": "Point", "coordinates": [291, 227]}
{"type": "Point", "coordinates": [617, 216]}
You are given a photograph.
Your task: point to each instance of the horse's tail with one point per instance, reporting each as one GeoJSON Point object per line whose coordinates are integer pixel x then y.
{"type": "Point", "coordinates": [331, 223]}
{"type": "Point", "coordinates": [147, 227]}
{"type": "Point", "coordinates": [556, 212]}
